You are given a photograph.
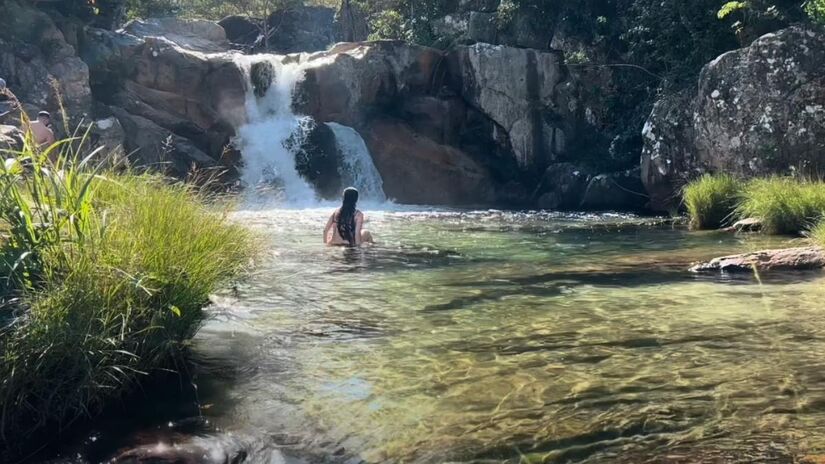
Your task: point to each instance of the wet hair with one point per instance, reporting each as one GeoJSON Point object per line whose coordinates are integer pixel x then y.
{"type": "Point", "coordinates": [346, 216]}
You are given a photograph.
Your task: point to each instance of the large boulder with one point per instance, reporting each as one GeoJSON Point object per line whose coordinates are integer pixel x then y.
{"type": "Point", "coordinates": [759, 110]}
{"type": "Point", "coordinates": [196, 97]}
{"type": "Point", "coordinates": [11, 138]}
{"type": "Point", "coordinates": [192, 34]}
{"type": "Point", "coordinates": [241, 30]}
{"type": "Point", "coordinates": [668, 154]}
{"type": "Point", "coordinates": [516, 88]}
{"type": "Point", "coordinates": [301, 29]}
{"type": "Point", "coordinates": [561, 187]}
{"type": "Point", "coordinates": [150, 146]}
{"type": "Point", "coordinates": [417, 170]}
{"type": "Point", "coordinates": [41, 67]}
{"type": "Point", "coordinates": [618, 191]}
{"type": "Point", "coordinates": [351, 81]}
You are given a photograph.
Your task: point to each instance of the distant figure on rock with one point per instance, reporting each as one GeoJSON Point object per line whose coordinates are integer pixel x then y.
{"type": "Point", "coordinates": [345, 226]}
{"type": "Point", "coordinates": [42, 130]}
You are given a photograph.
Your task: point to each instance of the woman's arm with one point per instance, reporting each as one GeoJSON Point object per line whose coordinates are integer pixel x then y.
{"type": "Point", "coordinates": [328, 228]}
{"type": "Point", "coordinates": [359, 224]}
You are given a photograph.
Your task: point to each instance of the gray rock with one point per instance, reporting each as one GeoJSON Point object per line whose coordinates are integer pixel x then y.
{"type": "Point", "coordinates": [481, 27]}
{"type": "Point", "coordinates": [302, 29]}
{"type": "Point", "coordinates": [668, 157]}
{"type": "Point", "coordinates": [152, 147]}
{"type": "Point", "coordinates": [516, 88]}
{"type": "Point", "coordinates": [41, 67]}
{"type": "Point", "coordinates": [352, 80]}
{"type": "Point", "coordinates": [11, 138]}
{"type": "Point", "coordinates": [192, 34]}
{"type": "Point", "coordinates": [318, 160]}
{"type": "Point", "coordinates": [418, 170]}
{"type": "Point", "coordinates": [108, 133]}
{"type": "Point", "coordinates": [620, 191]}
{"type": "Point", "coordinates": [759, 110]}
{"type": "Point", "coordinates": [452, 27]}
{"type": "Point", "coordinates": [561, 187]}
{"type": "Point", "coordinates": [241, 30]}
{"type": "Point", "coordinates": [790, 259]}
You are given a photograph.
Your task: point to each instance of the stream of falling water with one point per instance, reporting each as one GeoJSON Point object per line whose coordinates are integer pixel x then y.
{"type": "Point", "coordinates": [274, 132]}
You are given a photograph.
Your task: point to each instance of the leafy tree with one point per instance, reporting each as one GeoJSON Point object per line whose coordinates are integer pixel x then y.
{"type": "Point", "coordinates": [815, 9]}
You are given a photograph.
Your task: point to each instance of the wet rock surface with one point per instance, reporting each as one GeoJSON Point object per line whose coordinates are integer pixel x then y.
{"type": "Point", "coordinates": [789, 259]}
{"type": "Point", "coordinates": [622, 191]}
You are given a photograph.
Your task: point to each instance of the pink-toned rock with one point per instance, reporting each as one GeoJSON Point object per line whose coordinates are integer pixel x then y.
{"type": "Point", "coordinates": [788, 259]}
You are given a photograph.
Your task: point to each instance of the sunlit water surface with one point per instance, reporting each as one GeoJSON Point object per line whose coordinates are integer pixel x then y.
{"type": "Point", "coordinates": [513, 337]}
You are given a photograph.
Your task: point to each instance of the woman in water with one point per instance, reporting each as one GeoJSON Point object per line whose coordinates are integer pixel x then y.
{"type": "Point", "coordinates": [345, 226]}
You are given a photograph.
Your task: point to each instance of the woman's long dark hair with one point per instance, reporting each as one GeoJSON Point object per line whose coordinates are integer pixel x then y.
{"type": "Point", "coordinates": [346, 216]}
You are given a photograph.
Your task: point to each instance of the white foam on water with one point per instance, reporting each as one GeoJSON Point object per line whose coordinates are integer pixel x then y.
{"type": "Point", "coordinates": [357, 167]}
{"type": "Point", "coordinates": [271, 132]}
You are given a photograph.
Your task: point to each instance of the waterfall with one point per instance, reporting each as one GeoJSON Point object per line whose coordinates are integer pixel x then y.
{"type": "Point", "coordinates": [272, 131]}
{"type": "Point", "coordinates": [357, 168]}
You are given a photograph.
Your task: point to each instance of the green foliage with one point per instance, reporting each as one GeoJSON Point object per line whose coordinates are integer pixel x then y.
{"type": "Point", "coordinates": [108, 272]}
{"type": "Point", "coordinates": [729, 8]}
{"type": "Point", "coordinates": [784, 205]}
{"type": "Point", "coordinates": [817, 233]}
{"type": "Point", "coordinates": [389, 25]}
{"type": "Point", "coordinates": [711, 200]}
{"type": "Point", "coordinates": [815, 9]}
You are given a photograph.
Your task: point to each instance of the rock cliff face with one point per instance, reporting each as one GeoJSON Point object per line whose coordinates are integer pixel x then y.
{"type": "Point", "coordinates": [759, 110]}
{"type": "Point", "coordinates": [474, 124]}
{"type": "Point", "coordinates": [177, 106]}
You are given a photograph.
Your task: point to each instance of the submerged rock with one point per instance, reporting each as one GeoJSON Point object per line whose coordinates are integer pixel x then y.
{"type": "Point", "coordinates": [620, 191]}
{"type": "Point", "coordinates": [562, 187]}
{"type": "Point", "coordinates": [789, 259]}
{"type": "Point", "coordinates": [747, 225]}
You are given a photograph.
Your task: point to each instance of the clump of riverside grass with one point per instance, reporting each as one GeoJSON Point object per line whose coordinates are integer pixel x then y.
{"type": "Point", "coordinates": [109, 273]}
{"type": "Point", "coordinates": [783, 205]}
{"type": "Point", "coordinates": [711, 200]}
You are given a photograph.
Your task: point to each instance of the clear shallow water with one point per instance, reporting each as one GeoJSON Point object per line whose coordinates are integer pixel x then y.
{"type": "Point", "coordinates": [509, 337]}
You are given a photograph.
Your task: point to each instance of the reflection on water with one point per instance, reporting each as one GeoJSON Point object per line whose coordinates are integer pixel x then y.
{"type": "Point", "coordinates": [511, 337]}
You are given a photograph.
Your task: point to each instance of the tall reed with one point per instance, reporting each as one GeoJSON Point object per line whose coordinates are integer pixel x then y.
{"type": "Point", "coordinates": [711, 200]}
{"type": "Point", "coordinates": [110, 272]}
{"type": "Point", "coordinates": [784, 205]}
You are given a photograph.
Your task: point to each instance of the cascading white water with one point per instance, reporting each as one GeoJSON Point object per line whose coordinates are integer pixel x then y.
{"type": "Point", "coordinates": [268, 139]}
{"type": "Point", "coordinates": [273, 133]}
{"type": "Point", "coordinates": [357, 168]}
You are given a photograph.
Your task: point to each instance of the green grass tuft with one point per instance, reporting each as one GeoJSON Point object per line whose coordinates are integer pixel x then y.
{"type": "Point", "coordinates": [711, 200]}
{"type": "Point", "coordinates": [104, 279]}
{"type": "Point", "coordinates": [784, 205]}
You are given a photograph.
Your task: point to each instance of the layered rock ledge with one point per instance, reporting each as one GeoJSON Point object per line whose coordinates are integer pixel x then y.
{"type": "Point", "coordinates": [788, 259]}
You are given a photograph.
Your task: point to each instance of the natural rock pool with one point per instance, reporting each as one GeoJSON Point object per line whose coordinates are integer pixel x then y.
{"type": "Point", "coordinates": [506, 337]}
